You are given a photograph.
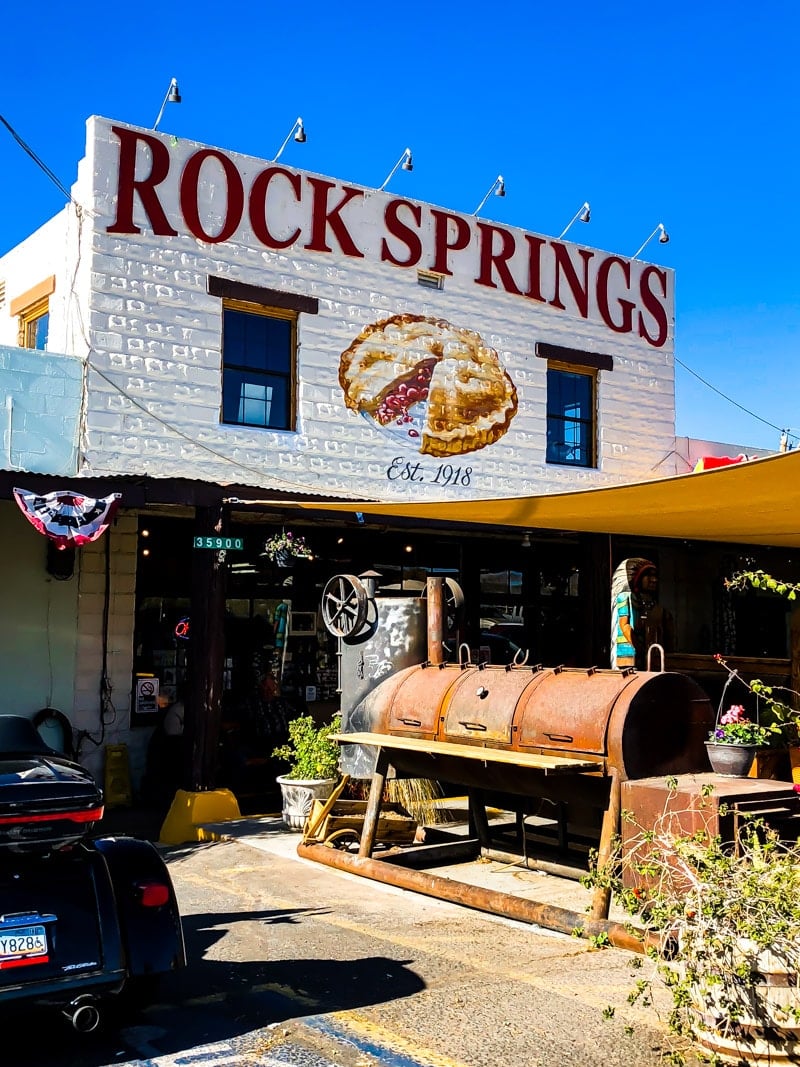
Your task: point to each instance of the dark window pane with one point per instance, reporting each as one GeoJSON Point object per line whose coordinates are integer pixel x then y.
{"type": "Point", "coordinates": [257, 341]}
{"type": "Point", "coordinates": [570, 418]}
{"type": "Point", "coordinates": [255, 399]}
{"type": "Point", "coordinates": [257, 369]}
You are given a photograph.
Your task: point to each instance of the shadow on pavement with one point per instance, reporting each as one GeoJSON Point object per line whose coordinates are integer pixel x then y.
{"type": "Point", "coordinates": [211, 1000]}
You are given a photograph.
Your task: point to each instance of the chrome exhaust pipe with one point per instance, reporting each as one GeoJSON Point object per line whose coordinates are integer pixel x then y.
{"type": "Point", "coordinates": [83, 1013]}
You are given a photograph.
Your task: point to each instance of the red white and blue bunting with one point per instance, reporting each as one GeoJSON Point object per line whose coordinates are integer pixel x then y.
{"type": "Point", "coordinates": [68, 518]}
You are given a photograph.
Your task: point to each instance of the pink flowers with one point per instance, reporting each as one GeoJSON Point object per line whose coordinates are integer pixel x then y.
{"type": "Point", "coordinates": [735, 728]}
{"type": "Point", "coordinates": [735, 713]}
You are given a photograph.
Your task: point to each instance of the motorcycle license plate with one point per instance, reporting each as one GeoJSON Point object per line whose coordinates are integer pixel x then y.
{"type": "Point", "coordinates": [21, 946]}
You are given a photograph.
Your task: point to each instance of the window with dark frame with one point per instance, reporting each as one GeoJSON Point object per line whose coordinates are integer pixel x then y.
{"type": "Point", "coordinates": [572, 377]}
{"type": "Point", "coordinates": [258, 365]}
{"type": "Point", "coordinates": [570, 416]}
{"type": "Point", "coordinates": [259, 352]}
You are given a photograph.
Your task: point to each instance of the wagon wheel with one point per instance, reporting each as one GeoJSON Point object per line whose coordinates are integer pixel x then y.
{"type": "Point", "coordinates": [344, 605]}
{"type": "Point", "coordinates": [453, 600]}
{"type": "Point", "coordinates": [343, 839]}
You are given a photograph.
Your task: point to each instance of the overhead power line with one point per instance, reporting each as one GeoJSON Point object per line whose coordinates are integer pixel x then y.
{"type": "Point", "coordinates": [747, 411]}
{"type": "Point", "coordinates": [26, 148]}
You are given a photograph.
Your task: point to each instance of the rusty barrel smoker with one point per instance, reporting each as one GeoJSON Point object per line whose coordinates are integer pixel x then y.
{"type": "Point", "coordinates": [602, 723]}
{"type": "Point", "coordinates": [528, 739]}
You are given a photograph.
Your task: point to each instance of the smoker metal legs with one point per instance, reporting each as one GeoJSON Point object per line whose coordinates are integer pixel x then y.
{"type": "Point", "coordinates": [372, 814]}
{"type": "Point", "coordinates": [601, 898]}
{"type": "Point", "coordinates": [478, 819]}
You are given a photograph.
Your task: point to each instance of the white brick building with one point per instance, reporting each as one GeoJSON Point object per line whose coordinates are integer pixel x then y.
{"type": "Point", "coordinates": [140, 295]}
{"type": "Point", "coordinates": [553, 363]}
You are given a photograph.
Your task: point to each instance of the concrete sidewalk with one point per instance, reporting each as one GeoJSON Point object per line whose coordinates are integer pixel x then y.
{"type": "Point", "coordinates": [269, 834]}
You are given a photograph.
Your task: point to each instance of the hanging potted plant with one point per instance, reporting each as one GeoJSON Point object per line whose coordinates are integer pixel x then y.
{"type": "Point", "coordinates": [284, 548]}
{"type": "Point", "coordinates": [313, 759]}
{"type": "Point", "coordinates": [733, 743]}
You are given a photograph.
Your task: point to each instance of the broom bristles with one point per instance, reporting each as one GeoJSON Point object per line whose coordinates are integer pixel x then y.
{"type": "Point", "coordinates": [418, 796]}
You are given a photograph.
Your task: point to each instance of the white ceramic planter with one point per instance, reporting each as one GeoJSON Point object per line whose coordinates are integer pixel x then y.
{"type": "Point", "coordinates": [299, 795]}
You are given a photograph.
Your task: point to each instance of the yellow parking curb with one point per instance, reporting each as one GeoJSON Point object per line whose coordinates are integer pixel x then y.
{"type": "Point", "coordinates": [188, 812]}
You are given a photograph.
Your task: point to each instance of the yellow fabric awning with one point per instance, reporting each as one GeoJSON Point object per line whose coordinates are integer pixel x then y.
{"type": "Point", "coordinates": [756, 502]}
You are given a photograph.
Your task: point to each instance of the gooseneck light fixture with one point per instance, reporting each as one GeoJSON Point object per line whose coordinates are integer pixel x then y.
{"type": "Point", "coordinates": [172, 97]}
{"type": "Point", "coordinates": [405, 161]}
{"type": "Point", "coordinates": [583, 214]}
{"type": "Point", "coordinates": [298, 131]}
{"type": "Point", "coordinates": [663, 239]}
{"type": "Point", "coordinates": [498, 187]}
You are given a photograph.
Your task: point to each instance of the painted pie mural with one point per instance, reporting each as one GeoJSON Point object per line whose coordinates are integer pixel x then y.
{"type": "Point", "coordinates": [428, 383]}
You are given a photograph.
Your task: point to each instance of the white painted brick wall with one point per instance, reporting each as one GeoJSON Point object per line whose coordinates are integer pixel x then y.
{"type": "Point", "coordinates": [156, 333]}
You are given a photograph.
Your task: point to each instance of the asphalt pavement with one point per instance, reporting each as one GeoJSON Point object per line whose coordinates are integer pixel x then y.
{"type": "Point", "coordinates": [294, 964]}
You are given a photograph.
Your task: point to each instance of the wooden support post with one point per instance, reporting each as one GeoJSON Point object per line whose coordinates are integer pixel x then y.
{"type": "Point", "coordinates": [203, 704]}
{"type": "Point", "coordinates": [601, 898]}
{"type": "Point", "coordinates": [372, 814]}
{"type": "Point", "coordinates": [794, 639]}
{"type": "Point", "coordinates": [561, 822]}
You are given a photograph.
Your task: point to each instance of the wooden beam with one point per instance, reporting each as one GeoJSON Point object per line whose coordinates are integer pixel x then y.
{"type": "Point", "coordinates": [548, 763]}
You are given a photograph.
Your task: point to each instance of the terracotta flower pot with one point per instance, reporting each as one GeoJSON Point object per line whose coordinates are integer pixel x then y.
{"type": "Point", "coordinates": [734, 761]}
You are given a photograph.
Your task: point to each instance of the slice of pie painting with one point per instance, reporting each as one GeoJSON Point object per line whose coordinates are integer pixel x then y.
{"type": "Point", "coordinates": [435, 385]}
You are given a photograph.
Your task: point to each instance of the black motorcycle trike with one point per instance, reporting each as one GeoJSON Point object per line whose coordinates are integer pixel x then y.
{"type": "Point", "coordinates": [83, 918]}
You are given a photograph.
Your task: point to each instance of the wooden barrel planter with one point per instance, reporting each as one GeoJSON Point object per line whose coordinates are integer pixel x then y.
{"type": "Point", "coordinates": [756, 1021]}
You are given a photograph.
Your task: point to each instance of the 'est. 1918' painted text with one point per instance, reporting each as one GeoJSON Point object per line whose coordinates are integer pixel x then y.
{"type": "Point", "coordinates": [445, 474]}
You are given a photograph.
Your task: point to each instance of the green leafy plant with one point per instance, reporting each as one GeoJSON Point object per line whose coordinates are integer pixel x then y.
{"type": "Point", "coordinates": [761, 580]}
{"type": "Point", "coordinates": [310, 752]}
{"type": "Point", "coordinates": [724, 923]}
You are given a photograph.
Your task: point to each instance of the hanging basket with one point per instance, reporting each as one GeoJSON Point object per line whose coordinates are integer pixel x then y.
{"type": "Point", "coordinates": [733, 761]}
{"type": "Point", "coordinates": [283, 558]}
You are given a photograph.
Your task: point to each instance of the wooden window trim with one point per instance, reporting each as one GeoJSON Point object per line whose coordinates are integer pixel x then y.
{"type": "Point", "coordinates": [576, 357]}
{"type": "Point", "coordinates": [22, 304]}
{"type": "Point", "coordinates": [572, 368]}
{"type": "Point", "coordinates": [28, 317]}
{"type": "Point", "coordinates": [260, 309]}
{"type": "Point", "coordinates": [260, 296]}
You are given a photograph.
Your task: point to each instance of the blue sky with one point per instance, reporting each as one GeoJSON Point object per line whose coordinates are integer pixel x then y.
{"type": "Point", "coordinates": [685, 114]}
